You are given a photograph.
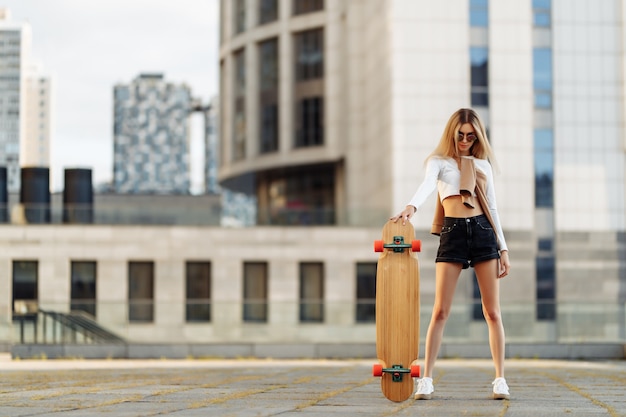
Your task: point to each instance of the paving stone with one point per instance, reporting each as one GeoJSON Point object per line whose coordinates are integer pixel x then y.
{"type": "Point", "coordinates": [308, 388]}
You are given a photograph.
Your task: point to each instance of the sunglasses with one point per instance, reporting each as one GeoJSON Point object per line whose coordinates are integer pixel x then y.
{"type": "Point", "coordinates": [468, 137]}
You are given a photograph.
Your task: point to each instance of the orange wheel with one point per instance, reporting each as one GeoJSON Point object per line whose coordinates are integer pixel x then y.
{"type": "Point", "coordinates": [415, 371]}
{"type": "Point", "coordinates": [416, 246]}
{"type": "Point", "coordinates": [379, 246]}
{"type": "Point", "coordinates": [377, 370]}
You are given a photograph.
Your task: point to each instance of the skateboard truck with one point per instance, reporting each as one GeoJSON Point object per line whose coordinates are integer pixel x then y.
{"type": "Point", "coordinates": [398, 245]}
{"type": "Point", "coordinates": [397, 371]}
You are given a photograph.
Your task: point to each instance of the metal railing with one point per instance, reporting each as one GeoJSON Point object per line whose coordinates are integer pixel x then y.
{"type": "Point", "coordinates": [51, 327]}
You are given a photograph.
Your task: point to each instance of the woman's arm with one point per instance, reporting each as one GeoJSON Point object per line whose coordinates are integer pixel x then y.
{"type": "Point", "coordinates": [426, 188]}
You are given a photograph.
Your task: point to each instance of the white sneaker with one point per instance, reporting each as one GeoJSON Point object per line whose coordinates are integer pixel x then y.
{"type": "Point", "coordinates": [500, 389]}
{"type": "Point", "coordinates": [425, 389]}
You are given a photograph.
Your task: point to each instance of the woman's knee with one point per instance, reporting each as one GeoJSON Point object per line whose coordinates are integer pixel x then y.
{"type": "Point", "coordinates": [492, 314]}
{"type": "Point", "coordinates": [440, 314]}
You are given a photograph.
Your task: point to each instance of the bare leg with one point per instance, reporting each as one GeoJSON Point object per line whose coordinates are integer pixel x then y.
{"type": "Point", "coordinates": [486, 274]}
{"type": "Point", "coordinates": [447, 276]}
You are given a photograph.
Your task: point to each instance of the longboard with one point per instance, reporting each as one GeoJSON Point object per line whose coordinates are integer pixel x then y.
{"type": "Point", "coordinates": [397, 310]}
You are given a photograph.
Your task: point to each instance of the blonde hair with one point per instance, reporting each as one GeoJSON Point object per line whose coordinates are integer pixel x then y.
{"type": "Point", "coordinates": [447, 147]}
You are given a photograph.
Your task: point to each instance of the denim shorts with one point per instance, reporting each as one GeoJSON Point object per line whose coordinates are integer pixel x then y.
{"type": "Point", "coordinates": [467, 241]}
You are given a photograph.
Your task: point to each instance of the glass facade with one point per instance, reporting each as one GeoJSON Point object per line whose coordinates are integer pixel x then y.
{"type": "Point", "coordinates": [301, 196]}
{"type": "Point", "coordinates": [542, 13]}
{"type": "Point", "coordinates": [542, 77]}
{"type": "Point", "coordinates": [479, 58]}
{"type": "Point", "coordinates": [479, 13]}
{"type": "Point", "coordinates": [268, 96]}
{"type": "Point", "coordinates": [309, 55]}
{"type": "Point", "coordinates": [309, 88]}
{"type": "Point", "coordinates": [545, 262]}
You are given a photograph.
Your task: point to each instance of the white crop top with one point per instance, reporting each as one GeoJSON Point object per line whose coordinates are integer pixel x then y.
{"type": "Point", "coordinates": [444, 174]}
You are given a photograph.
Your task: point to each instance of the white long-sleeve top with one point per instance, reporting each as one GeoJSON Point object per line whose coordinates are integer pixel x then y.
{"type": "Point", "coordinates": [444, 175]}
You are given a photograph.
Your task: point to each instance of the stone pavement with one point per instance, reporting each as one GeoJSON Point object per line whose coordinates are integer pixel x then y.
{"type": "Point", "coordinates": [300, 388]}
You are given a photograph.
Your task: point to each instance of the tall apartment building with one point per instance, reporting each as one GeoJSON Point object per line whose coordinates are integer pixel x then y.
{"type": "Point", "coordinates": [15, 42]}
{"type": "Point", "coordinates": [329, 109]}
{"type": "Point", "coordinates": [151, 136]}
{"type": "Point", "coordinates": [35, 148]}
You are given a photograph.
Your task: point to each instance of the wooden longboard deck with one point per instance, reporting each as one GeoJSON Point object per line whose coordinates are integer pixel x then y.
{"type": "Point", "coordinates": [397, 310]}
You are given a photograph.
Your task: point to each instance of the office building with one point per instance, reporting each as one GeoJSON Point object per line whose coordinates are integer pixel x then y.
{"type": "Point", "coordinates": [15, 47]}
{"type": "Point", "coordinates": [151, 136]}
{"type": "Point", "coordinates": [35, 149]}
{"type": "Point", "coordinates": [328, 110]}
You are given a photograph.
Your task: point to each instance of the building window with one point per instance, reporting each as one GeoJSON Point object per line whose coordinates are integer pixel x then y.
{"type": "Point", "coordinates": [309, 122]}
{"type": "Point", "coordinates": [255, 292]}
{"type": "Point", "coordinates": [239, 14]}
{"type": "Point", "coordinates": [479, 13]}
{"type": "Point", "coordinates": [542, 77]}
{"type": "Point", "coordinates": [25, 286]}
{"type": "Point", "coordinates": [544, 168]}
{"type": "Point", "coordinates": [140, 291]}
{"type": "Point", "coordinates": [268, 95]}
{"type": "Point", "coordinates": [309, 55]}
{"type": "Point", "coordinates": [83, 291]}
{"type": "Point", "coordinates": [479, 58]}
{"type": "Point", "coordinates": [268, 11]}
{"type": "Point", "coordinates": [198, 294]}
{"type": "Point", "coordinates": [302, 196]}
{"type": "Point", "coordinates": [366, 292]}
{"type": "Point", "coordinates": [312, 292]}
{"type": "Point", "coordinates": [307, 6]}
{"type": "Point", "coordinates": [546, 288]}
{"type": "Point", "coordinates": [239, 127]}
{"type": "Point", "coordinates": [542, 14]}
{"type": "Point", "coordinates": [309, 88]}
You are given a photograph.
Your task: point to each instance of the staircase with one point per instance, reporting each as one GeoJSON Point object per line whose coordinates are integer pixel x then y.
{"type": "Point", "coordinates": [52, 327]}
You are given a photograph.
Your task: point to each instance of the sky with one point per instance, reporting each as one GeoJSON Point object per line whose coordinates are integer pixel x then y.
{"type": "Point", "coordinates": [89, 46]}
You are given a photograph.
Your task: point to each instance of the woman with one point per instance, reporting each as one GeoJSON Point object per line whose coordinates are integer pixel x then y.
{"type": "Point", "coordinates": [470, 235]}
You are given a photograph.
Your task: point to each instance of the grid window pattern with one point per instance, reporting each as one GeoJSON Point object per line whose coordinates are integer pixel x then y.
{"type": "Point", "coordinates": [140, 291]}
{"type": "Point", "coordinates": [255, 284]}
{"type": "Point", "coordinates": [198, 291]}
{"type": "Point", "coordinates": [83, 287]}
{"type": "Point", "coordinates": [312, 292]}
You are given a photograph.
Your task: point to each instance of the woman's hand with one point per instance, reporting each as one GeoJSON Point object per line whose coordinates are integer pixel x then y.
{"type": "Point", "coordinates": [405, 215]}
{"type": "Point", "coordinates": [504, 265]}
